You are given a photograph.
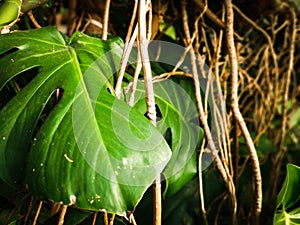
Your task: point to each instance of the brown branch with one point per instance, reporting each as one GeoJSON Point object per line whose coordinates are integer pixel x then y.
{"type": "Point", "coordinates": [201, 192]}
{"type": "Point", "coordinates": [150, 100]}
{"type": "Point", "coordinates": [203, 115]}
{"type": "Point", "coordinates": [267, 36]}
{"type": "Point", "coordinates": [105, 20]}
{"type": "Point", "coordinates": [214, 18]}
{"type": "Point", "coordinates": [130, 28]}
{"type": "Point", "coordinates": [79, 22]}
{"type": "Point", "coordinates": [236, 111]}
{"type": "Point", "coordinates": [281, 150]}
{"type": "Point", "coordinates": [143, 50]}
{"type": "Point", "coordinates": [33, 20]}
{"type": "Point", "coordinates": [64, 210]}
{"type": "Point", "coordinates": [274, 57]}
{"type": "Point", "coordinates": [112, 218]}
{"type": "Point", "coordinates": [135, 79]}
{"type": "Point", "coordinates": [62, 215]}
{"type": "Point", "coordinates": [167, 75]}
{"type": "Point", "coordinates": [37, 213]}
{"type": "Point", "coordinates": [95, 218]}
{"type": "Point", "coordinates": [29, 210]}
{"type": "Point", "coordinates": [105, 218]}
{"type": "Point", "coordinates": [130, 38]}
{"type": "Point", "coordinates": [132, 220]}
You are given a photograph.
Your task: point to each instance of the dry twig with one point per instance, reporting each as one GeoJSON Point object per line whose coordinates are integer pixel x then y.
{"type": "Point", "coordinates": [62, 215]}
{"type": "Point", "coordinates": [105, 20]}
{"type": "Point", "coordinates": [37, 213]}
{"type": "Point", "coordinates": [281, 150]}
{"type": "Point", "coordinates": [236, 111]}
{"type": "Point", "coordinates": [203, 115]}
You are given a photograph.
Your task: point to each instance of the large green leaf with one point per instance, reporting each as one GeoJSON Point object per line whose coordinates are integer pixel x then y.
{"type": "Point", "coordinates": [288, 199]}
{"type": "Point", "coordinates": [88, 149]}
{"type": "Point", "coordinates": [179, 113]}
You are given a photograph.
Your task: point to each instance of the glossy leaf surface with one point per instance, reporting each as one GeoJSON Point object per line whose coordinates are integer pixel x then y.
{"type": "Point", "coordinates": [177, 123]}
{"type": "Point", "coordinates": [87, 150]}
{"type": "Point", "coordinates": [288, 199]}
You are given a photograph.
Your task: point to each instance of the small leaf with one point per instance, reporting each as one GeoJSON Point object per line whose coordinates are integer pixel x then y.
{"type": "Point", "coordinates": [288, 199]}
{"type": "Point", "coordinates": [9, 10]}
{"type": "Point", "coordinates": [170, 32]}
{"type": "Point", "coordinates": [295, 118]}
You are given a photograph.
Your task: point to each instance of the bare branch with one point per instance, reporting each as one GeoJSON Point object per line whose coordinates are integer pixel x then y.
{"type": "Point", "coordinates": [105, 20]}
{"type": "Point", "coordinates": [235, 107]}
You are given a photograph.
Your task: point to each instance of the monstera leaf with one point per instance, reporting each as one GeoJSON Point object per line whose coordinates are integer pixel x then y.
{"type": "Point", "coordinates": [288, 199]}
{"type": "Point", "coordinates": [86, 148]}
{"type": "Point", "coordinates": [179, 123]}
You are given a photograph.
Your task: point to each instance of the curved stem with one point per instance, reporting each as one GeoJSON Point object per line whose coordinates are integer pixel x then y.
{"type": "Point", "coordinates": [236, 111]}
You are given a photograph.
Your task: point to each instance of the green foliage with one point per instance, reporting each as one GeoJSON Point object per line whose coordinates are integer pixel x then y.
{"type": "Point", "coordinates": [69, 139]}
{"type": "Point", "coordinates": [288, 199]}
{"type": "Point", "coordinates": [66, 138]}
{"type": "Point", "coordinates": [31, 4]}
{"type": "Point", "coordinates": [263, 146]}
{"type": "Point", "coordinates": [184, 206]}
{"type": "Point", "coordinates": [9, 11]}
{"type": "Point", "coordinates": [170, 31]}
{"type": "Point", "coordinates": [174, 102]}
{"type": "Point", "coordinates": [56, 168]}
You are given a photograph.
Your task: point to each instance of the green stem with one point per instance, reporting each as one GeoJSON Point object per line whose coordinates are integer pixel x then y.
{"type": "Point", "coordinates": [9, 11]}
{"type": "Point", "coordinates": [30, 4]}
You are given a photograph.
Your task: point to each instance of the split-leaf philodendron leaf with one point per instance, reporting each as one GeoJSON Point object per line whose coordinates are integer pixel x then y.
{"type": "Point", "coordinates": [178, 111]}
{"type": "Point", "coordinates": [91, 149]}
{"type": "Point", "coordinates": [288, 199]}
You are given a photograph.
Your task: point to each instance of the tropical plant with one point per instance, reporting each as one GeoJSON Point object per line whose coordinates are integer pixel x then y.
{"type": "Point", "coordinates": [95, 114]}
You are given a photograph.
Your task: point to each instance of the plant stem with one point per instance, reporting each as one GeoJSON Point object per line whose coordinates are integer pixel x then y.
{"type": "Point", "coordinates": [105, 20]}
{"type": "Point", "coordinates": [150, 100]}
{"type": "Point", "coordinates": [157, 202]}
{"type": "Point", "coordinates": [95, 218]}
{"type": "Point", "coordinates": [236, 111]}
{"type": "Point", "coordinates": [62, 215]}
{"type": "Point", "coordinates": [281, 149]}
{"type": "Point", "coordinates": [111, 221]}
{"type": "Point", "coordinates": [105, 217]}
{"type": "Point", "coordinates": [130, 38]}
{"type": "Point", "coordinates": [37, 213]}
{"type": "Point", "coordinates": [203, 115]}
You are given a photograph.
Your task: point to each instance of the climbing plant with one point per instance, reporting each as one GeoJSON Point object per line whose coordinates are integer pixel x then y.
{"type": "Point", "coordinates": [128, 112]}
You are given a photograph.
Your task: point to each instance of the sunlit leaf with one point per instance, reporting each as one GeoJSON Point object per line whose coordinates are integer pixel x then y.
{"type": "Point", "coordinates": [177, 111]}
{"type": "Point", "coordinates": [87, 150]}
{"type": "Point", "coordinates": [288, 199]}
{"type": "Point", "coordinates": [170, 32]}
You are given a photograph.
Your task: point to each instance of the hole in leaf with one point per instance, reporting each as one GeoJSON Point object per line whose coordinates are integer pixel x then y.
{"type": "Point", "coordinates": [294, 206]}
{"type": "Point", "coordinates": [16, 84]}
{"type": "Point", "coordinates": [158, 113]}
{"type": "Point", "coordinates": [109, 91]}
{"type": "Point", "coordinates": [7, 93]}
{"type": "Point", "coordinates": [168, 137]}
{"type": "Point", "coordinates": [9, 51]}
{"type": "Point", "coordinates": [49, 105]}
{"type": "Point", "coordinates": [26, 77]}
